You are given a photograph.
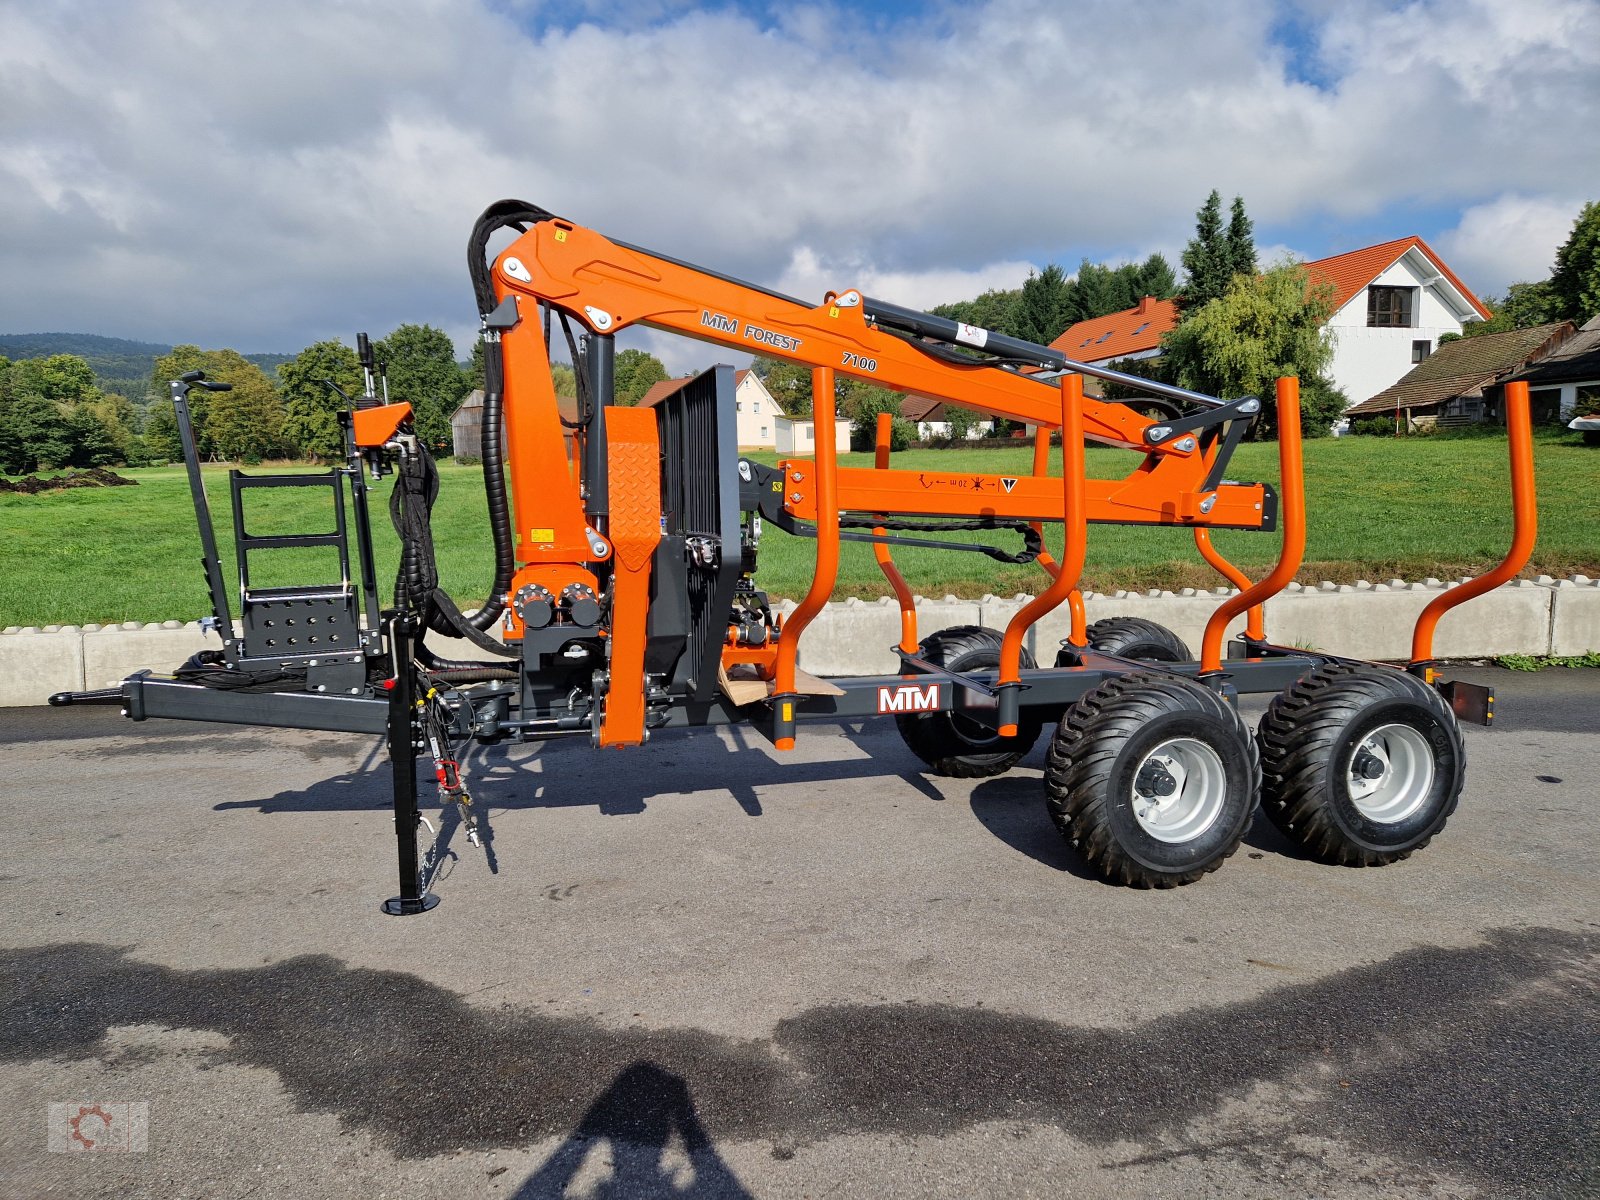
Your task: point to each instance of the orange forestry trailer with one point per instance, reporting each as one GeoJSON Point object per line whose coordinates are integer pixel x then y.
{"type": "Point", "coordinates": [626, 594]}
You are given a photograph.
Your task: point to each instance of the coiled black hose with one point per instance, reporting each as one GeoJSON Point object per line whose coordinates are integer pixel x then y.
{"type": "Point", "coordinates": [515, 214]}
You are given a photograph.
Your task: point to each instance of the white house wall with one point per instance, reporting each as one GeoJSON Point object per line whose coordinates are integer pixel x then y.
{"type": "Point", "coordinates": [799, 437]}
{"type": "Point", "coordinates": [756, 417]}
{"type": "Point", "coordinates": [1367, 360]}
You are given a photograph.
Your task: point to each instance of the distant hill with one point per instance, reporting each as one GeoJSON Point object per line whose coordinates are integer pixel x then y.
{"type": "Point", "coordinates": [119, 365]}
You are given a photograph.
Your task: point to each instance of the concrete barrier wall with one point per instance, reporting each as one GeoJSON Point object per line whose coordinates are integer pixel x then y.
{"type": "Point", "coordinates": [1363, 620]}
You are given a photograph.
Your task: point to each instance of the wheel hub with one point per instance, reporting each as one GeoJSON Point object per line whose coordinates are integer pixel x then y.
{"type": "Point", "coordinates": [1179, 790]}
{"type": "Point", "coordinates": [1391, 773]}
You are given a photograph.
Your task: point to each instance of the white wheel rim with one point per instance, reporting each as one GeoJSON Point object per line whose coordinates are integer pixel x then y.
{"type": "Point", "coordinates": [1195, 783]}
{"type": "Point", "coordinates": [1390, 773]}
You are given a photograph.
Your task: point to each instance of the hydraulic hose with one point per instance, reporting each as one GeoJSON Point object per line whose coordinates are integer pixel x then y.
{"type": "Point", "coordinates": [492, 453]}
{"type": "Point", "coordinates": [417, 581]}
{"type": "Point", "coordinates": [517, 214]}
{"type": "Point", "coordinates": [455, 670]}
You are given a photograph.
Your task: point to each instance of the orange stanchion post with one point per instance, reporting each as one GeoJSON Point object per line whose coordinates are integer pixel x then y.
{"type": "Point", "coordinates": [1256, 621]}
{"type": "Point", "coordinates": [1525, 528]}
{"type": "Point", "coordinates": [827, 569]}
{"type": "Point", "coordinates": [902, 593]}
{"type": "Point", "coordinates": [1075, 545]}
{"type": "Point", "coordinates": [1079, 634]}
{"type": "Point", "coordinates": [1292, 498]}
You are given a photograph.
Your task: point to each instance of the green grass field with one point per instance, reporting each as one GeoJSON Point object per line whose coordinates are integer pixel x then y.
{"type": "Point", "coordinates": [1378, 508]}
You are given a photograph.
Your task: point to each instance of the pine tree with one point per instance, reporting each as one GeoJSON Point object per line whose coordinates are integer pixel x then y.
{"type": "Point", "coordinates": [1155, 278]}
{"type": "Point", "coordinates": [1575, 280]}
{"type": "Point", "coordinates": [1240, 241]}
{"type": "Point", "coordinates": [1207, 266]}
{"type": "Point", "coordinates": [1041, 312]}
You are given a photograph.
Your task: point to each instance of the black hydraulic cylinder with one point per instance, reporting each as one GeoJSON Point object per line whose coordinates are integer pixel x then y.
{"type": "Point", "coordinates": [955, 333]}
{"type": "Point", "coordinates": [600, 351]}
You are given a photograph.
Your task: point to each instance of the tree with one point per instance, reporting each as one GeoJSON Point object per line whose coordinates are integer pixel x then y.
{"type": "Point", "coordinates": [1041, 312]}
{"type": "Point", "coordinates": [245, 424]}
{"type": "Point", "coordinates": [121, 421]}
{"type": "Point", "coordinates": [43, 437]}
{"type": "Point", "coordinates": [1525, 305]}
{"type": "Point", "coordinates": [1575, 279]}
{"type": "Point", "coordinates": [995, 310]}
{"type": "Point", "coordinates": [565, 379]}
{"type": "Point", "coordinates": [1239, 242]}
{"type": "Point", "coordinates": [92, 441]}
{"type": "Point", "coordinates": [788, 382]}
{"type": "Point", "coordinates": [1207, 260]}
{"type": "Point", "coordinates": [1154, 277]}
{"type": "Point", "coordinates": [863, 406]}
{"type": "Point", "coordinates": [1095, 292]}
{"type": "Point", "coordinates": [161, 438]}
{"type": "Point", "coordinates": [1261, 327]}
{"type": "Point", "coordinates": [421, 365]}
{"type": "Point", "coordinates": [635, 372]}
{"type": "Point", "coordinates": [962, 422]}
{"type": "Point", "coordinates": [311, 422]}
{"type": "Point", "coordinates": [53, 415]}
{"type": "Point", "coordinates": [168, 367]}
{"type": "Point", "coordinates": [65, 378]}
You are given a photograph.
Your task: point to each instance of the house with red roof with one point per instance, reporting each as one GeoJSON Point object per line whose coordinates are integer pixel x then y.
{"type": "Point", "coordinates": [933, 421]}
{"type": "Point", "coordinates": [759, 419]}
{"type": "Point", "coordinates": [756, 412]}
{"type": "Point", "coordinates": [1391, 303]}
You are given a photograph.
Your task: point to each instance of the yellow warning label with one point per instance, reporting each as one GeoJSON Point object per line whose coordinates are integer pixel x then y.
{"type": "Point", "coordinates": [561, 235]}
{"type": "Point", "coordinates": [542, 535]}
{"type": "Point", "coordinates": [788, 711]}
{"type": "Point", "coordinates": [834, 312]}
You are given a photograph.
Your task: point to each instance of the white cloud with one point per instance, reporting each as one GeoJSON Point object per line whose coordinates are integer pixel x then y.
{"type": "Point", "coordinates": [264, 176]}
{"type": "Point", "coordinates": [1510, 240]}
{"type": "Point", "coordinates": [810, 275]}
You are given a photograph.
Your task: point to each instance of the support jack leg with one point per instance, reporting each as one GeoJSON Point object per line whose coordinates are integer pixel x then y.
{"type": "Point", "coordinates": [403, 733]}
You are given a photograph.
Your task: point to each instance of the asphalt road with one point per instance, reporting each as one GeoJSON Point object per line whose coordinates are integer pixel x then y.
{"type": "Point", "coordinates": [707, 969]}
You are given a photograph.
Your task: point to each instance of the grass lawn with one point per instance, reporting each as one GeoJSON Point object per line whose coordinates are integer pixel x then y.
{"type": "Point", "coordinates": [1377, 508]}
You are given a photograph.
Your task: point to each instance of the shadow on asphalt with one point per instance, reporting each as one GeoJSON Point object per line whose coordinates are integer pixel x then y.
{"type": "Point", "coordinates": [552, 776]}
{"type": "Point", "coordinates": [1479, 1061]}
{"type": "Point", "coordinates": [657, 1146]}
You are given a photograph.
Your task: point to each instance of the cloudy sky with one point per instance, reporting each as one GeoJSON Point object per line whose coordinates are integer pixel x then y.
{"type": "Point", "coordinates": [265, 175]}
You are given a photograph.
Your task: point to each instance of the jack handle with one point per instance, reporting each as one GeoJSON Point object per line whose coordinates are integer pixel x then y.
{"type": "Point", "coordinates": [198, 379]}
{"type": "Point", "coordinates": [1525, 528]}
{"type": "Point", "coordinates": [1292, 496]}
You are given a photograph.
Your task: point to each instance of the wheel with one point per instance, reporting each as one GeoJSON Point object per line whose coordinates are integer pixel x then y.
{"type": "Point", "coordinates": [1361, 765]}
{"type": "Point", "coordinates": [1134, 637]}
{"type": "Point", "coordinates": [963, 746]}
{"type": "Point", "coordinates": [1153, 779]}
{"type": "Point", "coordinates": [1591, 437]}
